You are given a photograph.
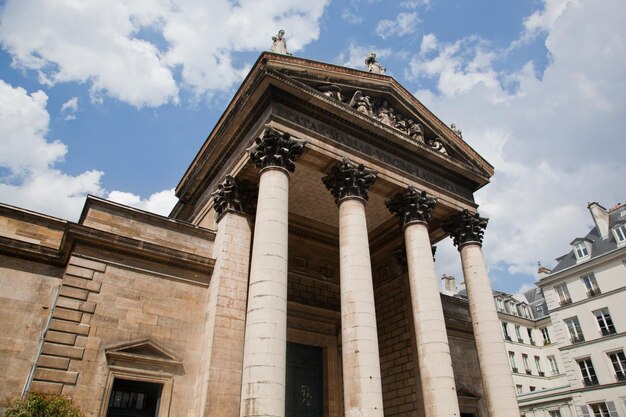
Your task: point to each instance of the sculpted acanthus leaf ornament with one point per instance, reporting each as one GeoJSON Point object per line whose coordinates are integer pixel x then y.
{"type": "Point", "coordinates": [276, 149]}
{"type": "Point", "coordinates": [233, 195]}
{"type": "Point", "coordinates": [411, 206]}
{"type": "Point", "coordinates": [466, 227]}
{"type": "Point", "coordinates": [348, 179]}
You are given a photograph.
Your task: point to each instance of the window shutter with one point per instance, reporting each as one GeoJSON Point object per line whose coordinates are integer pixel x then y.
{"type": "Point", "coordinates": [612, 411]}
{"type": "Point", "coordinates": [584, 411]}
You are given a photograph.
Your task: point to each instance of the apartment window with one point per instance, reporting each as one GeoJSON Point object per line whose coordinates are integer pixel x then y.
{"type": "Point", "coordinates": [518, 334]}
{"type": "Point", "coordinates": [620, 233]}
{"type": "Point", "coordinates": [589, 374]}
{"type": "Point", "coordinates": [539, 310]}
{"type": "Point", "coordinates": [519, 389]}
{"type": "Point", "coordinates": [591, 285]}
{"type": "Point", "coordinates": [546, 335]}
{"type": "Point", "coordinates": [538, 365]}
{"type": "Point", "coordinates": [499, 304]}
{"type": "Point", "coordinates": [554, 367]}
{"type": "Point", "coordinates": [526, 364]}
{"type": "Point", "coordinates": [606, 409]}
{"type": "Point", "coordinates": [555, 413]}
{"type": "Point", "coordinates": [581, 250]}
{"type": "Point", "coordinates": [512, 361]}
{"type": "Point", "coordinates": [619, 364]}
{"type": "Point", "coordinates": [563, 293]}
{"type": "Point", "coordinates": [505, 330]}
{"type": "Point", "coordinates": [575, 332]}
{"type": "Point", "coordinates": [530, 336]}
{"type": "Point", "coordinates": [604, 321]}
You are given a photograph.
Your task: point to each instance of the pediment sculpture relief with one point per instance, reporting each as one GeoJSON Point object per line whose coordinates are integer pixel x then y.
{"type": "Point", "coordinates": [380, 109]}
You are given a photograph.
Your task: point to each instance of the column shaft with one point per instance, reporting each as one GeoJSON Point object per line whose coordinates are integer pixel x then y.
{"type": "Point", "coordinates": [361, 360]}
{"type": "Point", "coordinates": [263, 379]}
{"type": "Point", "coordinates": [494, 365]}
{"type": "Point", "coordinates": [435, 362]}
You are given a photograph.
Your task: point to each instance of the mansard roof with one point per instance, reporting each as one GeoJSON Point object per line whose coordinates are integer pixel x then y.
{"type": "Point", "coordinates": [599, 246]}
{"type": "Point", "coordinates": [278, 84]}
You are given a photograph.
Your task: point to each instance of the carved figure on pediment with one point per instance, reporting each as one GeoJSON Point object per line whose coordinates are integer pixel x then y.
{"type": "Point", "coordinates": [456, 130]}
{"type": "Point", "coordinates": [415, 131]}
{"type": "Point", "coordinates": [385, 114]}
{"type": "Point", "coordinates": [332, 91]}
{"type": "Point", "coordinates": [361, 103]}
{"type": "Point", "coordinates": [401, 123]}
{"type": "Point", "coordinates": [437, 144]}
{"type": "Point", "coordinates": [279, 44]}
{"type": "Point", "coordinates": [373, 65]}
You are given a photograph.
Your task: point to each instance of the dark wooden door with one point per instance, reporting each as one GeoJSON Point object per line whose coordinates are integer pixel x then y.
{"type": "Point", "coordinates": [304, 392]}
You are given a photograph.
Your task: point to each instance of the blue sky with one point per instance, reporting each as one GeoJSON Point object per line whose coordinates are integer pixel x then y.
{"type": "Point", "coordinates": [115, 99]}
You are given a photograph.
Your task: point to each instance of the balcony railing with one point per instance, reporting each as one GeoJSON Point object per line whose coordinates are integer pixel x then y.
{"type": "Point", "coordinates": [520, 340]}
{"type": "Point", "coordinates": [546, 342]}
{"type": "Point", "coordinates": [577, 339]}
{"type": "Point", "coordinates": [565, 301]}
{"type": "Point", "coordinates": [508, 338]}
{"type": "Point", "coordinates": [541, 373]}
{"type": "Point", "coordinates": [621, 376]}
{"type": "Point", "coordinates": [593, 292]}
{"type": "Point", "coordinates": [529, 372]}
{"type": "Point", "coordinates": [532, 342]}
{"type": "Point", "coordinates": [590, 382]}
{"type": "Point", "coordinates": [514, 370]}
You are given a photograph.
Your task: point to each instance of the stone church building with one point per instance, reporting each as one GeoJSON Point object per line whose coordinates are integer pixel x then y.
{"type": "Point", "coordinates": [295, 277]}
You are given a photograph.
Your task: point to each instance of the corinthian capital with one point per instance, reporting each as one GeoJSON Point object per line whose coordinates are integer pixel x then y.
{"type": "Point", "coordinates": [276, 149]}
{"type": "Point", "coordinates": [466, 227]}
{"type": "Point", "coordinates": [348, 179]}
{"type": "Point", "coordinates": [411, 206]}
{"type": "Point", "coordinates": [233, 195]}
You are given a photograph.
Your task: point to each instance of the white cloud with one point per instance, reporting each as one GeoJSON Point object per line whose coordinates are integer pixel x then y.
{"type": "Point", "coordinates": [28, 163]}
{"type": "Point", "coordinates": [69, 108]}
{"type": "Point", "coordinates": [403, 24]}
{"type": "Point", "coordinates": [351, 17]}
{"type": "Point", "coordinates": [555, 141]}
{"type": "Point", "coordinates": [132, 51]}
{"type": "Point", "coordinates": [159, 203]}
{"type": "Point", "coordinates": [429, 43]}
{"type": "Point", "coordinates": [543, 20]}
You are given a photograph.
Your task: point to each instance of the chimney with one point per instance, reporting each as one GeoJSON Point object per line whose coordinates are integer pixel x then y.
{"type": "Point", "coordinates": [449, 283]}
{"type": "Point", "coordinates": [543, 272]}
{"type": "Point", "coordinates": [600, 218]}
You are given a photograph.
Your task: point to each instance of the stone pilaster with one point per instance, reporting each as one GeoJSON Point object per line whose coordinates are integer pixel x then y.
{"type": "Point", "coordinates": [220, 388]}
{"type": "Point", "coordinates": [265, 346]}
{"type": "Point", "coordinates": [467, 231]}
{"type": "Point", "coordinates": [413, 209]}
{"type": "Point", "coordinates": [362, 388]}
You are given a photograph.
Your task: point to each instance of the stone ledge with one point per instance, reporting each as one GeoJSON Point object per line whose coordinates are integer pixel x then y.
{"type": "Point", "coordinates": [53, 362]}
{"type": "Point", "coordinates": [78, 271]}
{"type": "Point", "coordinates": [65, 314]}
{"type": "Point", "coordinates": [55, 375]}
{"type": "Point", "coordinates": [75, 293]}
{"type": "Point", "coordinates": [82, 283]}
{"type": "Point", "coordinates": [69, 327]}
{"type": "Point", "coordinates": [71, 352]}
{"type": "Point", "coordinates": [46, 387]}
{"type": "Point", "coordinates": [87, 263]}
{"type": "Point", "coordinates": [61, 338]}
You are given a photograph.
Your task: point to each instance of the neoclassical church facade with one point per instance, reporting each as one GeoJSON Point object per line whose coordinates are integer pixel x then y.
{"type": "Point", "coordinates": [295, 277]}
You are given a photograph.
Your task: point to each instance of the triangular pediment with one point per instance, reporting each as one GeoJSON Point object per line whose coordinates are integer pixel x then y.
{"type": "Point", "coordinates": [370, 116]}
{"type": "Point", "coordinates": [145, 350]}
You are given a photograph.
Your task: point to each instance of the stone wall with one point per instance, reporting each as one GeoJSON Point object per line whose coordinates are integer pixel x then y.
{"type": "Point", "coordinates": [27, 293]}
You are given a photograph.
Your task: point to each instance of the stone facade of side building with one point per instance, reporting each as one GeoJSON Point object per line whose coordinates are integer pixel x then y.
{"type": "Point", "coordinates": [295, 276]}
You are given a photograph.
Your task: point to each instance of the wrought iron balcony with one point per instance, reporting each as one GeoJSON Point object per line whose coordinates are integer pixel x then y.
{"type": "Point", "coordinates": [565, 301]}
{"type": "Point", "coordinates": [591, 382]}
{"type": "Point", "coordinates": [607, 331]}
{"type": "Point", "coordinates": [541, 373]}
{"type": "Point", "coordinates": [593, 292]}
{"type": "Point", "coordinates": [577, 339]}
{"type": "Point", "coordinates": [621, 376]}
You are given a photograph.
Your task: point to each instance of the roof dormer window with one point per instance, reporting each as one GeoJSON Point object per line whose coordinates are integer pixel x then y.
{"type": "Point", "coordinates": [582, 249]}
{"type": "Point", "coordinates": [619, 232]}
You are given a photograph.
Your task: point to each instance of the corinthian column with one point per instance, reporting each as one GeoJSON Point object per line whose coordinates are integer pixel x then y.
{"type": "Point", "coordinates": [362, 389]}
{"type": "Point", "coordinates": [413, 209]}
{"type": "Point", "coordinates": [265, 346]}
{"type": "Point", "coordinates": [467, 232]}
